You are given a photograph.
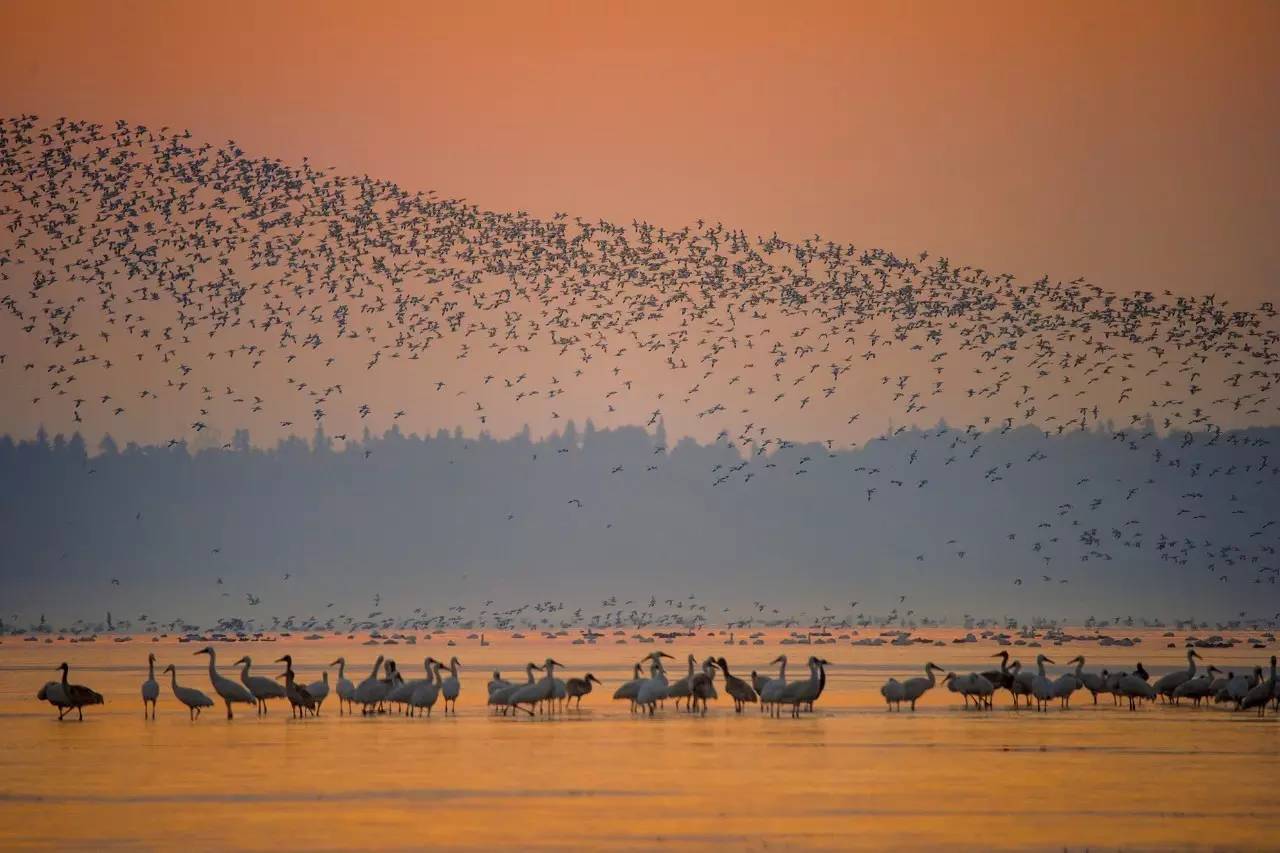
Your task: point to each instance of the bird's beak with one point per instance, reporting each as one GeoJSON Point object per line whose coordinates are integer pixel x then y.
{"type": "Point", "coordinates": [596, 680]}
{"type": "Point", "coordinates": [665, 655]}
{"type": "Point", "coordinates": [557, 663]}
{"type": "Point", "coordinates": [282, 660]}
{"type": "Point", "coordinates": [1051, 660]}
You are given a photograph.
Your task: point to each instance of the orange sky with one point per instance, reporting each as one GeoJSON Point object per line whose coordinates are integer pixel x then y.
{"type": "Point", "coordinates": [1135, 145]}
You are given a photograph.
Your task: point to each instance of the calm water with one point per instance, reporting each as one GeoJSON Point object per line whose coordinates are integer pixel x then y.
{"type": "Point", "coordinates": [850, 776]}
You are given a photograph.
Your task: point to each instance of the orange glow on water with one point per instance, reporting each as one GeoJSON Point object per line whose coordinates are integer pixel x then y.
{"type": "Point", "coordinates": [850, 776]}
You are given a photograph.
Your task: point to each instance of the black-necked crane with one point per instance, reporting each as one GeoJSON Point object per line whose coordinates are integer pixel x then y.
{"type": "Point", "coordinates": [77, 696]}
{"type": "Point", "coordinates": [740, 691]}
{"type": "Point", "coordinates": [579, 687]}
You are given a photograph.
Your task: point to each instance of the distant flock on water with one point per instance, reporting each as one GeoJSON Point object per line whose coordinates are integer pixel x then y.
{"type": "Point", "coordinates": [387, 691]}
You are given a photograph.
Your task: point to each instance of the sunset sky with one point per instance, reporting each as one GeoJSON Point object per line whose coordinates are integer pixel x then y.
{"type": "Point", "coordinates": [1132, 143]}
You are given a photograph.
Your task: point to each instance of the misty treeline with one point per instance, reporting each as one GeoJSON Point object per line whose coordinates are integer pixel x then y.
{"type": "Point", "coordinates": [993, 524]}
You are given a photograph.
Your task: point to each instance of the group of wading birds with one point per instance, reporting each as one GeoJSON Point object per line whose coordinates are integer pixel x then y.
{"type": "Point", "coordinates": [386, 690]}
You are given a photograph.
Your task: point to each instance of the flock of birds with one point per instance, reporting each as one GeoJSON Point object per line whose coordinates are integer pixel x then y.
{"type": "Point", "coordinates": [1244, 691]}
{"type": "Point", "coordinates": [386, 689]}
{"type": "Point", "coordinates": [145, 274]}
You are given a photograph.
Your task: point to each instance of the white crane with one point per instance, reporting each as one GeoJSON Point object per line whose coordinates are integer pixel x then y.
{"type": "Point", "coordinates": [1069, 682]}
{"type": "Point", "coordinates": [798, 693]}
{"type": "Point", "coordinates": [972, 686]}
{"type": "Point", "coordinates": [1041, 685]}
{"type": "Point", "coordinates": [1095, 683]}
{"type": "Point", "coordinates": [501, 697]}
{"type": "Point", "coordinates": [189, 696]}
{"type": "Point", "coordinates": [345, 689]}
{"type": "Point", "coordinates": [402, 693]}
{"type": "Point", "coordinates": [1196, 689]}
{"type": "Point", "coordinates": [52, 693]}
{"type": "Point", "coordinates": [893, 694]}
{"type": "Point", "coordinates": [1135, 688]}
{"type": "Point", "coordinates": [1165, 685]}
{"type": "Point", "coordinates": [771, 690]}
{"type": "Point", "coordinates": [629, 689]}
{"type": "Point", "coordinates": [261, 688]}
{"type": "Point", "coordinates": [914, 688]}
{"type": "Point", "coordinates": [451, 686]}
{"type": "Point", "coordinates": [497, 682]}
{"type": "Point", "coordinates": [1257, 697]}
{"type": "Point", "coordinates": [679, 689]}
{"type": "Point", "coordinates": [425, 692]}
{"type": "Point", "coordinates": [540, 693]}
{"type": "Point", "coordinates": [229, 690]}
{"type": "Point", "coordinates": [654, 688]}
{"type": "Point", "coordinates": [372, 690]}
{"type": "Point", "coordinates": [150, 688]}
{"type": "Point", "coordinates": [319, 690]}
{"type": "Point", "coordinates": [1020, 683]}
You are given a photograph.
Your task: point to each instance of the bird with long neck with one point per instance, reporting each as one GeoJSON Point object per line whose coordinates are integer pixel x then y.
{"type": "Point", "coordinates": [229, 690]}
{"type": "Point", "coordinates": [150, 688]}
{"type": "Point", "coordinates": [77, 695]}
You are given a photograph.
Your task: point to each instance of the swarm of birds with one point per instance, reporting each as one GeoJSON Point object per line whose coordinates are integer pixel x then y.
{"type": "Point", "coordinates": [148, 277]}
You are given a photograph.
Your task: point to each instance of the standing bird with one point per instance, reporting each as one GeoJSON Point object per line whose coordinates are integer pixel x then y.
{"type": "Point", "coordinates": [1165, 685]}
{"type": "Point", "coordinates": [579, 687]}
{"type": "Point", "coordinates": [1000, 678]}
{"type": "Point", "coordinates": [1196, 689]}
{"type": "Point", "coordinates": [319, 690]}
{"type": "Point", "coordinates": [225, 687]}
{"type": "Point", "coordinates": [501, 697]}
{"type": "Point", "coordinates": [189, 696]}
{"type": "Point", "coordinates": [771, 689]}
{"type": "Point", "coordinates": [702, 687]}
{"type": "Point", "coordinates": [150, 688]}
{"type": "Point", "coordinates": [77, 695]}
{"type": "Point", "coordinates": [630, 689]}
{"type": "Point", "coordinates": [679, 689]}
{"type": "Point", "coordinates": [738, 690]}
{"type": "Point", "coordinates": [497, 682]}
{"type": "Point", "coordinates": [345, 689]}
{"type": "Point", "coordinates": [425, 693]}
{"type": "Point", "coordinates": [372, 690]}
{"type": "Point", "coordinates": [1257, 697]}
{"type": "Point", "coordinates": [1041, 685]}
{"type": "Point", "coordinates": [451, 687]}
{"type": "Point", "coordinates": [52, 693]}
{"type": "Point", "coordinates": [1070, 682]}
{"type": "Point", "coordinates": [261, 688]}
{"type": "Point", "coordinates": [798, 693]}
{"type": "Point", "coordinates": [654, 688]}
{"type": "Point", "coordinates": [300, 699]}
{"type": "Point", "coordinates": [914, 688]}
{"type": "Point", "coordinates": [1135, 688]}
{"type": "Point", "coordinates": [893, 693]}
{"type": "Point", "coordinates": [1095, 683]}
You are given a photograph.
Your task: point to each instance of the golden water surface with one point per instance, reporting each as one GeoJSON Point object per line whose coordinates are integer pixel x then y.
{"type": "Point", "coordinates": [849, 776]}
